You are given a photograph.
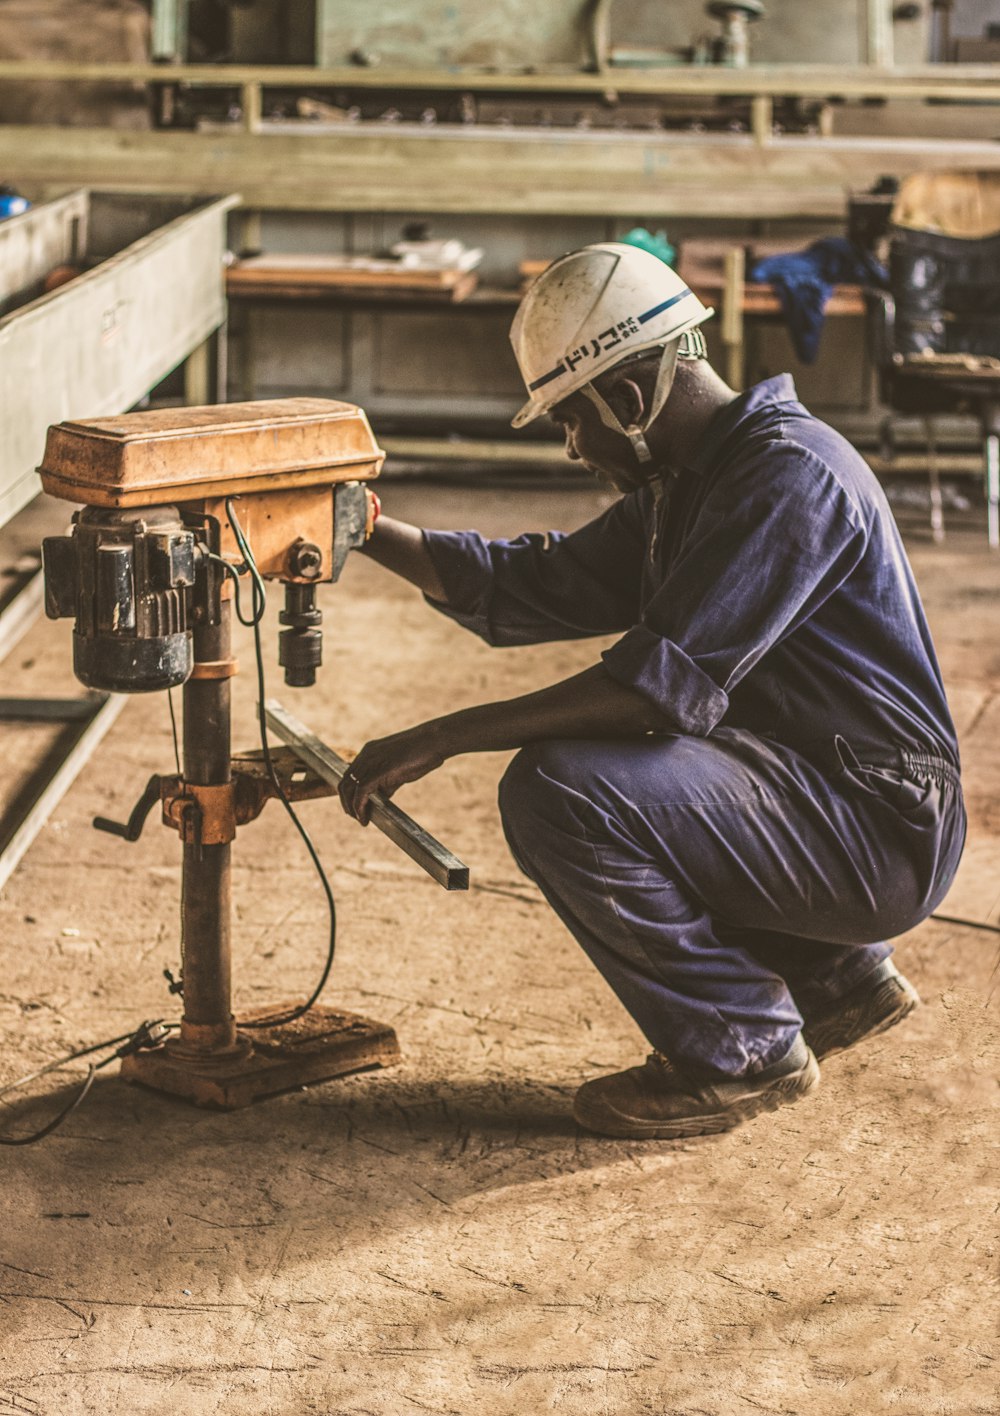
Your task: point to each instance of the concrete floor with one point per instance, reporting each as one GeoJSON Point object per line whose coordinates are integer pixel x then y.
{"type": "Point", "coordinates": [440, 1237]}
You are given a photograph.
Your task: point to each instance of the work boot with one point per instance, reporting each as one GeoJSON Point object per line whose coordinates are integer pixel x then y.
{"type": "Point", "coordinates": [878, 1002]}
{"type": "Point", "coordinates": [656, 1102]}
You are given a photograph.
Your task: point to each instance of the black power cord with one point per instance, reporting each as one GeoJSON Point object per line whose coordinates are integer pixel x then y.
{"type": "Point", "coordinates": [259, 602]}
{"type": "Point", "coordinates": [966, 923]}
{"type": "Point", "coordinates": [147, 1034]}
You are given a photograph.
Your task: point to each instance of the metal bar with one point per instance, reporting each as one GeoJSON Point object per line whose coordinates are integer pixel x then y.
{"type": "Point", "coordinates": [17, 617]}
{"type": "Point", "coordinates": [961, 81]}
{"type": "Point", "coordinates": [252, 103]}
{"type": "Point", "coordinates": [732, 315]}
{"type": "Point", "coordinates": [537, 454]}
{"type": "Point", "coordinates": [250, 239]}
{"type": "Point", "coordinates": [109, 706]}
{"type": "Point", "coordinates": [45, 710]}
{"type": "Point", "coordinates": [993, 490]}
{"type": "Point", "coordinates": [169, 39]}
{"type": "Point", "coordinates": [934, 476]}
{"type": "Point", "coordinates": [762, 118]}
{"type": "Point", "coordinates": [401, 829]}
{"type": "Point", "coordinates": [198, 375]}
{"type": "Point", "coordinates": [520, 453]}
{"type": "Point", "coordinates": [514, 453]}
{"type": "Point", "coordinates": [532, 172]}
{"type": "Point", "coordinates": [877, 36]}
{"type": "Point", "coordinates": [954, 464]}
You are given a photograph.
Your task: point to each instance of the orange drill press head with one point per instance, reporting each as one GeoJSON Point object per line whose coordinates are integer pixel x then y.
{"type": "Point", "coordinates": [171, 497]}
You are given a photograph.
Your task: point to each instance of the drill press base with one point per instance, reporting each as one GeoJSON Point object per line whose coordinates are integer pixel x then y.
{"type": "Point", "coordinates": [322, 1044]}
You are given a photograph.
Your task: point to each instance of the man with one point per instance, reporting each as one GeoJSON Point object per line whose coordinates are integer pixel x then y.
{"type": "Point", "coordinates": [757, 784]}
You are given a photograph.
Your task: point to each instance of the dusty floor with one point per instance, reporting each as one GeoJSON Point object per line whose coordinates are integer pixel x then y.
{"type": "Point", "coordinates": [440, 1237]}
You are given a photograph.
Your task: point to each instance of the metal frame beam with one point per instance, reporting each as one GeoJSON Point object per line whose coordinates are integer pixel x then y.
{"type": "Point", "coordinates": [531, 172]}
{"type": "Point", "coordinates": [876, 34]}
{"type": "Point", "coordinates": [95, 715]}
{"type": "Point", "coordinates": [962, 82]}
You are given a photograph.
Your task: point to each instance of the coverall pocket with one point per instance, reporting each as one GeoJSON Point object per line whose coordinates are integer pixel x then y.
{"type": "Point", "coordinates": [910, 795]}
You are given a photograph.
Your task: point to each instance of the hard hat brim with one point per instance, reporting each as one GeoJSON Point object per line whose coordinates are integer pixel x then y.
{"type": "Point", "coordinates": [528, 414]}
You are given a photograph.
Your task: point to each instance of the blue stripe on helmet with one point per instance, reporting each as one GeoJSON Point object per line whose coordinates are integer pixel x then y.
{"type": "Point", "coordinates": [560, 368]}
{"type": "Point", "coordinates": [658, 309]}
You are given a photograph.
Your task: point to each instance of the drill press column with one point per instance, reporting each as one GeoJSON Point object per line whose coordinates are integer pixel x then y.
{"type": "Point", "coordinates": [208, 1025]}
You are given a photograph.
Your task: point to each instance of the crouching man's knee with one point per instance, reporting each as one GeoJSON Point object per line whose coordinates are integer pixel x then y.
{"type": "Point", "coordinates": [533, 797]}
{"type": "Point", "coordinates": [516, 797]}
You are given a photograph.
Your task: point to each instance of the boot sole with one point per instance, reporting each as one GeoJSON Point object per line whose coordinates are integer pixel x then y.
{"type": "Point", "coordinates": [606, 1122]}
{"type": "Point", "coordinates": [871, 1015]}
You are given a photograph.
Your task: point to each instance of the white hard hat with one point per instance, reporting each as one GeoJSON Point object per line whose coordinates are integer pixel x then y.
{"type": "Point", "coordinates": [590, 310]}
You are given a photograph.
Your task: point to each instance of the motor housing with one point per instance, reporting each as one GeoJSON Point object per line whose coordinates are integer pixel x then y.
{"type": "Point", "coordinates": [127, 577]}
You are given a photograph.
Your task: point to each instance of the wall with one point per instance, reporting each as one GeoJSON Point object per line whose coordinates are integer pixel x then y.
{"type": "Point", "coordinates": [969, 18]}
{"type": "Point", "coordinates": [85, 31]}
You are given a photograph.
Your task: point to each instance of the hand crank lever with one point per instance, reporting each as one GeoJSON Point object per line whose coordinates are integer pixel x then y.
{"type": "Point", "coordinates": [131, 830]}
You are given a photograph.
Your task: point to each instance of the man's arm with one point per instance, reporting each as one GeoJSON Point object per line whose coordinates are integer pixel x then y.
{"type": "Point", "coordinates": [401, 548]}
{"type": "Point", "coordinates": [588, 705]}
{"type": "Point", "coordinates": [530, 590]}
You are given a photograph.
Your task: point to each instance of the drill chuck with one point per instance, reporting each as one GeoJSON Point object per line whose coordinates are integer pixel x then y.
{"type": "Point", "coordinates": [300, 646]}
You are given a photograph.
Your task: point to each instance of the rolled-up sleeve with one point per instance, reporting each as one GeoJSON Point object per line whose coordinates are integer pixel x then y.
{"type": "Point", "coordinates": [661, 671]}
{"type": "Point", "coordinates": [539, 588]}
{"type": "Point", "coordinates": [767, 548]}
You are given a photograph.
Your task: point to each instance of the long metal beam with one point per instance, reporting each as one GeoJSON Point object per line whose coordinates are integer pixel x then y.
{"type": "Point", "coordinates": [530, 171]}
{"type": "Point", "coordinates": [402, 830]}
{"type": "Point", "coordinates": [511, 455]}
{"type": "Point", "coordinates": [958, 81]}
{"type": "Point", "coordinates": [103, 710]}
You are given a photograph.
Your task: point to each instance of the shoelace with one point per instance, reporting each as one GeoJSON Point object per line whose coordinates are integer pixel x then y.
{"type": "Point", "coordinates": [672, 1076]}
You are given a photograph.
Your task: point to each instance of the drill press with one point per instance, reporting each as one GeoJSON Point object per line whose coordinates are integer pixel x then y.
{"type": "Point", "coordinates": [178, 505]}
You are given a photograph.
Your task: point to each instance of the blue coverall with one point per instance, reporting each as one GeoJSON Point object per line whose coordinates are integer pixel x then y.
{"type": "Point", "coordinates": [741, 869]}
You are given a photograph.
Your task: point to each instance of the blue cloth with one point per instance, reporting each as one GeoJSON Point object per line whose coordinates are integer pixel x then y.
{"type": "Point", "coordinates": [767, 609]}
{"type": "Point", "coordinates": [804, 281]}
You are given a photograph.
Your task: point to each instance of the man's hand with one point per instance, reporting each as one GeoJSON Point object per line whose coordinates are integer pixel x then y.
{"type": "Point", "coordinates": [591, 704]}
{"type": "Point", "coordinates": [385, 764]}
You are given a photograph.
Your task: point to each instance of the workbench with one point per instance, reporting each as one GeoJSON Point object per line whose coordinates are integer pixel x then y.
{"type": "Point", "coordinates": [307, 276]}
{"type": "Point", "coordinates": [372, 330]}
{"type": "Point", "coordinates": [384, 344]}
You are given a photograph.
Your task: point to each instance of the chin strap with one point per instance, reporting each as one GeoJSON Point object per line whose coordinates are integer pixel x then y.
{"type": "Point", "coordinates": [691, 345]}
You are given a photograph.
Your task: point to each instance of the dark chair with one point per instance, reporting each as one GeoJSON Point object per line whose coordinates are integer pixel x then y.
{"type": "Point", "coordinates": [936, 332]}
